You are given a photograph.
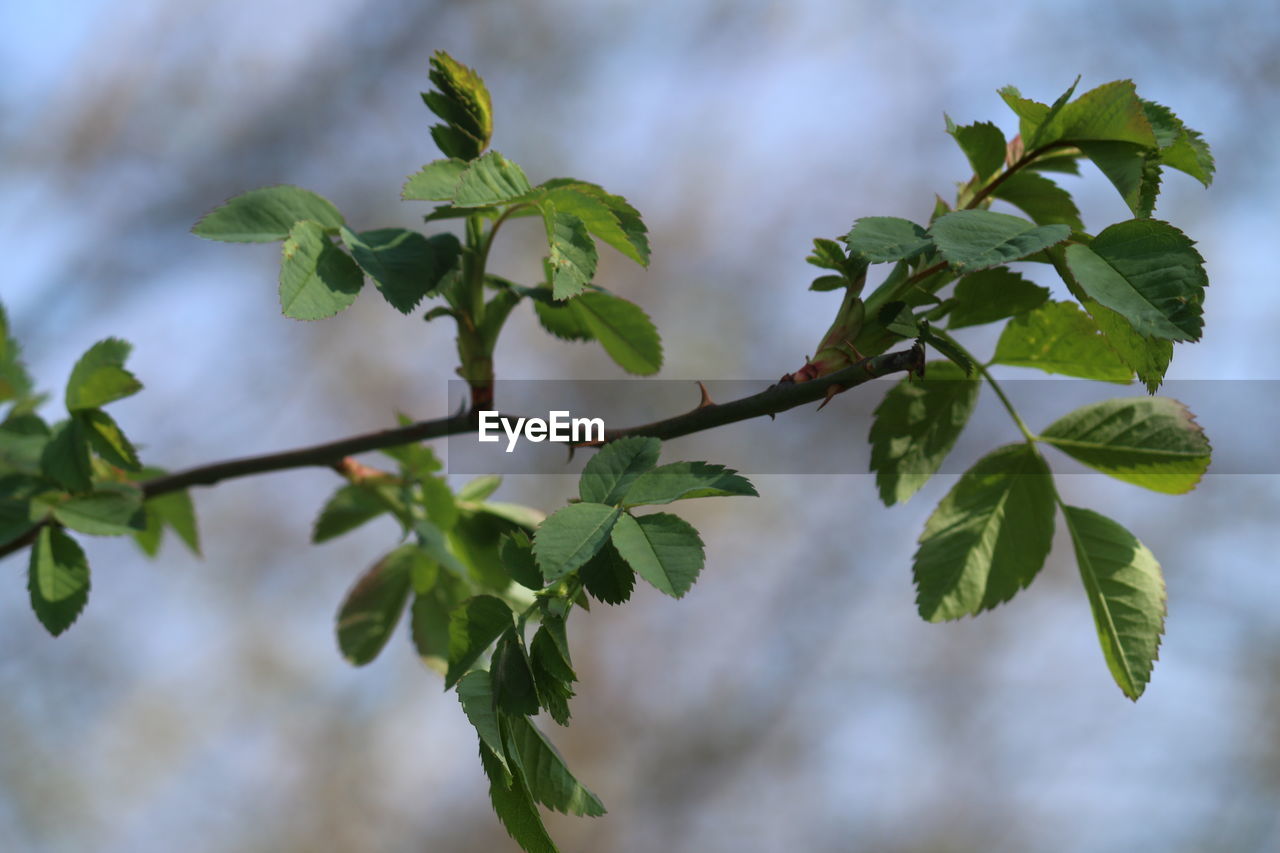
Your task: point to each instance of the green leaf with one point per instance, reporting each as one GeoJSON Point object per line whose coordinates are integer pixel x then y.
{"type": "Point", "coordinates": [404, 265]}
{"type": "Point", "coordinates": [347, 508]}
{"type": "Point", "coordinates": [432, 540]}
{"type": "Point", "coordinates": [15, 382]}
{"type": "Point", "coordinates": [988, 537]}
{"type": "Point", "coordinates": [106, 437]}
{"type": "Point", "coordinates": [1153, 442]}
{"type": "Point", "coordinates": [1126, 593]}
{"type": "Point", "coordinates": [1147, 271]}
{"type": "Point", "coordinates": [1181, 147]}
{"type": "Point", "coordinates": [430, 619]}
{"type": "Point", "coordinates": [1110, 113]}
{"type": "Point", "coordinates": [609, 474]}
{"type": "Point", "coordinates": [571, 536]}
{"type": "Point", "coordinates": [266, 215]}
{"type": "Point", "coordinates": [475, 692]}
{"type": "Point", "coordinates": [553, 674]}
{"type": "Point", "coordinates": [982, 143]}
{"type": "Point", "coordinates": [22, 442]}
{"type": "Point", "coordinates": [515, 550]}
{"type": "Point", "coordinates": [606, 216]}
{"type": "Point", "coordinates": [513, 688]}
{"type": "Point", "coordinates": [1030, 113]}
{"type": "Point", "coordinates": [462, 101]}
{"type": "Point", "coordinates": [435, 181]}
{"type": "Point", "coordinates": [607, 577]}
{"type": "Point", "coordinates": [473, 626]}
{"type": "Point", "coordinates": [623, 329]}
{"type": "Point", "coordinates": [65, 458]}
{"type": "Point", "coordinates": [476, 537]}
{"type": "Point", "coordinates": [317, 279]}
{"type": "Point", "coordinates": [58, 579]}
{"type": "Point", "coordinates": [492, 179]}
{"type": "Point", "coordinates": [1041, 199]}
{"type": "Point", "coordinates": [99, 376]}
{"type": "Point", "coordinates": [372, 608]}
{"type": "Point", "coordinates": [514, 804]}
{"type": "Point", "coordinates": [1133, 169]}
{"type": "Point", "coordinates": [915, 427]}
{"type": "Point", "coordinates": [991, 295]}
{"type": "Point", "coordinates": [663, 549]}
{"type": "Point", "coordinates": [176, 511]}
{"type": "Point", "coordinates": [825, 283]}
{"type": "Point", "coordinates": [549, 778]}
{"type": "Point", "coordinates": [897, 317]}
{"type": "Point", "coordinates": [945, 346]}
{"type": "Point", "coordinates": [680, 480]}
{"type": "Point", "coordinates": [561, 320]}
{"type": "Point", "coordinates": [479, 488]}
{"type": "Point", "coordinates": [1058, 337]}
{"type": "Point", "coordinates": [972, 240]}
{"type": "Point", "coordinates": [880, 239]}
{"type": "Point", "coordinates": [573, 254]}
{"type": "Point", "coordinates": [15, 519]}
{"type": "Point", "coordinates": [1148, 357]}
{"type": "Point", "coordinates": [114, 511]}
{"type": "Point", "coordinates": [828, 255]}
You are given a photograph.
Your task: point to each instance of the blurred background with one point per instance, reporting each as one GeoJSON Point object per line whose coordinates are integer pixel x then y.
{"type": "Point", "coordinates": [794, 699]}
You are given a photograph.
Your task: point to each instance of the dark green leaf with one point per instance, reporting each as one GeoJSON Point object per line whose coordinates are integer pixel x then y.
{"type": "Point", "coordinates": [663, 549]}
{"type": "Point", "coordinates": [553, 674]}
{"type": "Point", "coordinates": [991, 295]}
{"type": "Point", "coordinates": [972, 240]}
{"type": "Point", "coordinates": [948, 348]}
{"type": "Point", "coordinates": [513, 688]}
{"type": "Point", "coordinates": [988, 537]}
{"type": "Point", "coordinates": [15, 518]}
{"type": "Point", "coordinates": [622, 328]}
{"type": "Point", "coordinates": [1058, 337]}
{"type": "Point", "coordinates": [679, 480]}
{"type": "Point", "coordinates": [915, 427]}
{"type": "Point", "coordinates": [435, 181]}
{"type": "Point", "coordinates": [176, 511]}
{"type": "Point", "coordinates": [372, 608]}
{"type": "Point", "coordinates": [473, 626]}
{"type": "Point", "coordinates": [404, 265]}
{"type": "Point", "coordinates": [1152, 442]}
{"type": "Point", "coordinates": [492, 179]}
{"type": "Point", "coordinates": [561, 320]}
{"type": "Point", "coordinates": [266, 215]}
{"type": "Point", "coordinates": [479, 488]}
{"type": "Point", "coordinates": [982, 143]}
{"type": "Point", "coordinates": [58, 579]}
{"type": "Point", "coordinates": [549, 778]}
{"type": "Point", "coordinates": [898, 318]}
{"type": "Point", "coordinates": [1149, 272]}
{"type": "Point", "coordinates": [1041, 199]}
{"type": "Point", "coordinates": [317, 279]}
{"type": "Point", "coordinates": [475, 537]}
{"type": "Point", "coordinates": [609, 474]}
{"type": "Point", "coordinates": [65, 458]}
{"type": "Point", "coordinates": [571, 536]}
{"type": "Point", "coordinates": [99, 376]}
{"type": "Point", "coordinates": [15, 382]}
{"type": "Point", "coordinates": [1126, 593]}
{"type": "Point", "coordinates": [1181, 147]}
{"type": "Point", "coordinates": [1133, 169]}
{"type": "Point", "coordinates": [114, 511]}
{"type": "Point", "coordinates": [607, 577]}
{"type": "Point", "coordinates": [515, 549]}
{"type": "Point", "coordinates": [475, 692]}
{"type": "Point", "coordinates": [22, 441]}
{"type": "Point", "coordinates": [514, 804]}
{"type": "Point", "coordinates": [430, 615]}
{"type": "Point", "coordinates": [880, 239]}
{"type": "Point", "coordinates": [824, 283]}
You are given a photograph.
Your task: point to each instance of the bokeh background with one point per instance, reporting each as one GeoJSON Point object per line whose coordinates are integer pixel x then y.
{"type": "Point", "coordinates": [793, 700]}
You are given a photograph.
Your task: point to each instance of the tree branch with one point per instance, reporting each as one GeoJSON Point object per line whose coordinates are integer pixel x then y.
{"type": "Point", "coordinates": [774, 399]}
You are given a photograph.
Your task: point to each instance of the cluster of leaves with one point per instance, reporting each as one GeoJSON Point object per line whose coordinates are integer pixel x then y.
{"type": "Point", "coordinates": [324, 263]}
{"type": "Point", "coordinates": [477, 575]}
{"type": "Point", "coordinates": [477, 580]}
{"type": "Point", "coordinates": [1135, 289]}
{"type": "Point", "coordinates": [76, 474]}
